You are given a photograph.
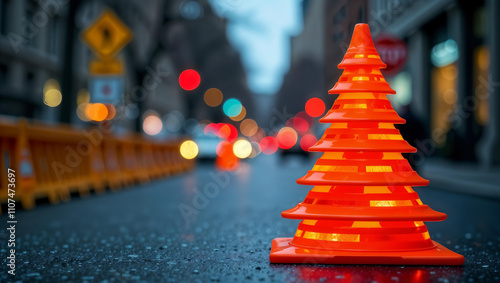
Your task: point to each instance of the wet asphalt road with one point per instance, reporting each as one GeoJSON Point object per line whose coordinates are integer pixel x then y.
{"type": "Point", "coordinates": [208, 226]}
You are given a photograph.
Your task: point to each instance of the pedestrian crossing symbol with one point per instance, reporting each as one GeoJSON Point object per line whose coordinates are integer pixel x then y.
{"type": "Point", "coordinates": [107, 35]}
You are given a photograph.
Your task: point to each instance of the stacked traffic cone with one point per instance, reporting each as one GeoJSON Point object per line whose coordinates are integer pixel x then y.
{"type": "Point", "coordinates": [362, 209]}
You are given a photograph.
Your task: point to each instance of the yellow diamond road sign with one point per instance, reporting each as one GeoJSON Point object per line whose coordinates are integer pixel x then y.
{"type": "Point", "coordinates": [107, 35]}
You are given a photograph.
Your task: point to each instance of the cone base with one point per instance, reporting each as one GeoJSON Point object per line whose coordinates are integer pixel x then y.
{"type": "Point", "coordinates": [283, 252]}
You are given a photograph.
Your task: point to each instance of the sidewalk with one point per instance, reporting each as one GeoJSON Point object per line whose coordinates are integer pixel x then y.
{"type": "Point", "coordinates": [466, 178]}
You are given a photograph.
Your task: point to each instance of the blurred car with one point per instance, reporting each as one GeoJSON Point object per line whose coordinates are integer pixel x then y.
{"type": "Point", "coordinates": [207, 146]}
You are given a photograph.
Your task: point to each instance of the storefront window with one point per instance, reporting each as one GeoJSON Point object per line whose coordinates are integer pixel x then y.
{"type": "Point", "coordinates": [443, 99]}
{"type": "Point", "coordinates": [481, 84]}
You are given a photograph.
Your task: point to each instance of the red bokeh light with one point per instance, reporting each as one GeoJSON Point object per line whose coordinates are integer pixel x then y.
{"type": "Point", "coordinates": [287, 138]}
{"type": "Point", "coordinates": [228, 132]}
{"type": "Point", "coordinates": [189, 79]}
{"type": "Point", "coordinates": [307, 141]}
{"type": "Point", "coordinates": [306, 117]}
{"type": "Point", "coordinates": [300, 124]}
{"type": "Point", "coordinates": [223, 147]}
{"type": "Point", "coordinates": [268, 145]}
{"type": "Point", "coordinates": [315, 107]}
{"type": "Point", "coordinates": [226, 160]}
{"type": "Point", "coordinates": [211, 128]}
{"type": "Point", "coordinates": [222, 130]}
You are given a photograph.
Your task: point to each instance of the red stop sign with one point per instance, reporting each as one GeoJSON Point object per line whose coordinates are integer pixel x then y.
{"type": "Point", "coordinates": [393, 51]}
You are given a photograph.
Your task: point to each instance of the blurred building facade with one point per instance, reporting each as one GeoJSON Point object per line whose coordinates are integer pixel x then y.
{"type": "Point", "coordinates": [41, 40]}
{"type": "Point", "coordinates": [452, 78]}
{"type": "Point", "coordinates": [317, 51]}
{"type": "Point", "coordinates": [30, 55]}
{"type": "Point", "coordinates": [449, 85]}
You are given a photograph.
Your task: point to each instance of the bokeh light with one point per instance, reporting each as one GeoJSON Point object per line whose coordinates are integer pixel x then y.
{"type": "Point", "coordinates": [213, 97]}
{"type": "Point", "coordinates": [226, 160]}
{"type": "Point", "coordinates": [152, 125]}
{"type": "Point", "coordinates": [249, 127]}
{"type": "Point", "coordinates": [174, 121]}
{"type": "Point", "coordinates": [300, 124]}
{"type": "Point", "coordinates": [227, 132]}
{"type": "Point", "coordinates": [132, 111]}
{"type": "Point", "coordinates": [192, 126]}
{"type": "Point", "coordinates": [191, 10]}
{"type": "Point", "coordinates": [211, 128]}
{"type": "Point", "coordinates": [305, 117]}
{"type": "Point", "coordinates": [242, 148]}
{"type": "Point", "coordinates": [81, 112]}
{"type": "Point", "coordinates": [189, 79]}
{"type": "Point", "coordinates": [222, 147]}
{"type": "Point", "coordinates": [287, 137]}
{"type": "Point", "coordinates": [260, 134]}
{"type": "Point", "coordinates": [307, 141]}
{"type": "Point", "coordinates": [232, 107]}
{"type": "Point", "coordinates": [83, 96]}
{"type": "Point", "coordinates": [189, 149]}
{"type": "Point", "coordinates": [52, 97]}
{"type": "Point", "coordinates": [51, 84]}
{"type": "Point", "coordinates": [268, 145]}
{"type": "Point", "coordinates": [96, 112]}
{"type": "Point", "coordinates": [111, 111]}
{"type": "Point", "coordinates": [315, 107]}
{"type": "Point", "coordinates": [224, 131]}
{"type": "Point", "coordinates": [240, 116]}
{"type": "Point", "coordinates": [255, 149]}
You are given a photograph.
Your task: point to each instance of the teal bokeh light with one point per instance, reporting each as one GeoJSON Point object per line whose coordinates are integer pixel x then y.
{"type": "Point", "coordinates": [232, 107]}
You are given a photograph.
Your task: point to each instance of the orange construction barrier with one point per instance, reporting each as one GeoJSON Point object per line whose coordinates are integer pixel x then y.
{"type": "Point", "coordinates": [55, 161]}
{"type": "Point", "coordinates": [362, 209]}
{"type": "Point", "coordinates": [97, 169]}
{"type": "Point", "coordinates": [25, 172]}
{"type": "Point", "coordinates": [128, 159]}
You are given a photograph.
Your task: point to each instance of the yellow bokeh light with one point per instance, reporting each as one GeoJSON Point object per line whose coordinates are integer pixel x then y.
{"type": "Point", "coordinates": [248, 127]}
{"type": "Point", "coordinates": [83, 96]}
{"type": "Point", "coordinates": [52, 97]}
{"type": "Point", "coordinates": [240, 116]}
{"type": "Point", "coordinates": [242, 148]}
{"type": "Point", "coordinates": [213, 97]}
{"type": "Point", "coordinates": [152, 125]}
{"type": "Point", "coordinates": [51, 84]}
{"type": "Point", "coordinates": [81, 112]}
{"type": "Point", "coordinates": [189, 149]}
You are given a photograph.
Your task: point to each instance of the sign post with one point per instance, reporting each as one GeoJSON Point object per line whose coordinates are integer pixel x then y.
{"type": "Point", "coordinates": [107, 36]}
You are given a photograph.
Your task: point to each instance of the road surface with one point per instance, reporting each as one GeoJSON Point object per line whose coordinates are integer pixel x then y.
{"type": "Point", "coordinates": [210, 226]}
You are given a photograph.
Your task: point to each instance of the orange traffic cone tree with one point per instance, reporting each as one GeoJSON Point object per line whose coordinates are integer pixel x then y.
{"type": "Point", "coordinates": [362, 209]}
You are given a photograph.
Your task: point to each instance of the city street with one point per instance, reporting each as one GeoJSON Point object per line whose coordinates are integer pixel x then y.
{"type": "Point", "coordinates": [206, 225]}
{"type": "Point", "coordinates": [165, 141]}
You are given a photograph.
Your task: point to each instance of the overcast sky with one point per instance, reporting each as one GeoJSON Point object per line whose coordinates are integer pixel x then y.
{"type": "Point", "coordinates": [261, 31]}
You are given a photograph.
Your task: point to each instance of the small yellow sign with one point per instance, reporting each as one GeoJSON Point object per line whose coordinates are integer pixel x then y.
{"type": "Point", "coordinates": [107, 35]}
{"type": "Point", "coordinates": [109, 67]}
